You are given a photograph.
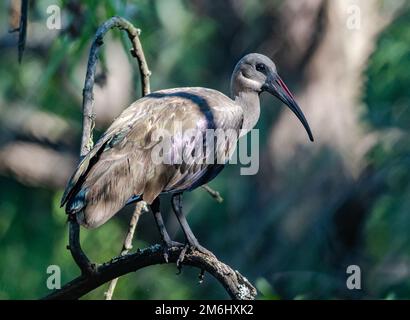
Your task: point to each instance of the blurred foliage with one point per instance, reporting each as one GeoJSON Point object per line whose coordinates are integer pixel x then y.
{"type": "Point", "coordinates": [388, 113]}
{"type": "Point", "coordinates": [184, 46]}
{"type": "Point", "coordinates": [33, 229]}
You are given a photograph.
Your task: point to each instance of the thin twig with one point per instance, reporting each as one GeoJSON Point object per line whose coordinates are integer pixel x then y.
{"type": "Point", "coordinates": [140, 207]}
{"type": "Point", "coordinates": [22, 29]}
{"type": "Point", "coordinates": [213, 193]}
{"type": "Point", "coordinates": [237, 286]}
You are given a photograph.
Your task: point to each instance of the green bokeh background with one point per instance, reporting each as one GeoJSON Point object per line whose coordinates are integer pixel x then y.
{"type": "Point", "coordinates": [184, 46]}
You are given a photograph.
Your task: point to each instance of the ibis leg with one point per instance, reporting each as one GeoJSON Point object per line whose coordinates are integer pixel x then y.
{"type": "Point", "coordinates": [155, 208]}
{"type": "Point", "coordinates": [189, 235]}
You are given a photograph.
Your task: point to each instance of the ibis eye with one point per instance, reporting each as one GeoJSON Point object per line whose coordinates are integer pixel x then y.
{"type": "Point", "coordinates": [260, 67]}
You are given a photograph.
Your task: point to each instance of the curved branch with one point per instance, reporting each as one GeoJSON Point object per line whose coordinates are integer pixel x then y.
{"type": "Point", "coordinates": [237, 286]}
{"type": "Point", "coordinates": [88, 96]}
{"type": "Point", "coordinates": [88, 114]}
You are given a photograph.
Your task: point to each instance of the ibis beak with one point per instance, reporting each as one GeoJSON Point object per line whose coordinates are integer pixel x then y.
{"type": "Point", "coordinates": [278, 88]}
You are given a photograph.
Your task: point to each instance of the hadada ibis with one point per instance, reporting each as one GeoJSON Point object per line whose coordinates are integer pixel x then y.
{"type": "Point", "coordinates": [119, 169]}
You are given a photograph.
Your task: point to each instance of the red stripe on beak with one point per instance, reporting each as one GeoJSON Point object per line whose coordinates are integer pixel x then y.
{"type": "Point", "coordinates": [284, 87]}
{"type": "Point", "coordinates": [278, 88]}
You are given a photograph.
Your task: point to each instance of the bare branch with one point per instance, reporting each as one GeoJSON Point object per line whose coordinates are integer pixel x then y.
{"type": "Point", "coordinates": [213, 193]}
{"type": "Point", "coordinates": [87, 268]}
{"type": "Point", "coordinates": [22, 29]}
{"type": "Point", "coordinates": [140, 207]}
{"type": "Point", "coordinates": [237, 286]}
{"type": "Point", "coordinates": [88, 97]}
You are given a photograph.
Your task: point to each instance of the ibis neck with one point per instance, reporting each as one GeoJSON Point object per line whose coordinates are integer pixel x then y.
{"type": "Point", "coordinates": [249, 102]}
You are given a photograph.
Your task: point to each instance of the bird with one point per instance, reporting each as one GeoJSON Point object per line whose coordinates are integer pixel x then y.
{"type": "Point", "coordinates": [119, 169]}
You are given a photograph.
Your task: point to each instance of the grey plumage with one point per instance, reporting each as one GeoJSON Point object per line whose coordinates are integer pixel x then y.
{"type": "Point", "coordinates": [120, 169]}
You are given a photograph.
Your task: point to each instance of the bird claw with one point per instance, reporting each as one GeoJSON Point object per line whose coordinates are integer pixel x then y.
{"type": "Point", "coordinates": [192, 246]}
{"type": "Point", "coordinates": [165, 255]}
{"type": "Point", "coordinates": [182, 257]}
{"type": "Point", "coordinates": [201, 276]}
{"type": "Point", "coordinates": [168, 246]}
{"type": "Point", "coordinates": [203, 250]}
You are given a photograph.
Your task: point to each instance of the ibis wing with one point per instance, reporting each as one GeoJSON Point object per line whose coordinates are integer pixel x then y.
{"type": "Point", "coordinates": [115, 169]}
{"type": "Point", "coordinates": [203, 157]}
{"type": "Point", "coordinates": [114, 134]}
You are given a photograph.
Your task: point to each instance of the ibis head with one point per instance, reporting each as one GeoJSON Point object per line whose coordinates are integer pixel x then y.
{"type": "Point", "coordinates": [257, 73]}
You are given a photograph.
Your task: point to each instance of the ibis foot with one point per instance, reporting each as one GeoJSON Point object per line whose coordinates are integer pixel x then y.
{"type": "Point", "coordinates": [168, 245]}
{"type": "Point", "coordinates": [191, 241]}
{"type": "Point", "coordinates": [192, 245]}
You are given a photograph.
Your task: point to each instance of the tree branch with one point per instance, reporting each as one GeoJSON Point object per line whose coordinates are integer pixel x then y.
{"type": "Point", "coordinates": [237, 286]}
{"type": "Point", "coordinates": [94, 275]}
{"type": "Point", "coordinates": [88, 97]}
{"type": "Point", "coordinates": [213, 193]}
{"type": "Point", "coordinates": [22, 28]}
